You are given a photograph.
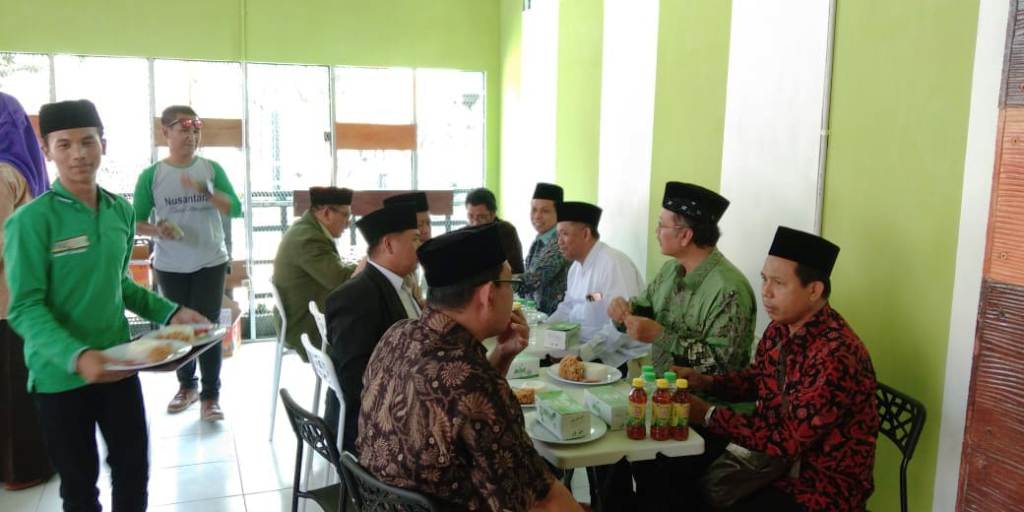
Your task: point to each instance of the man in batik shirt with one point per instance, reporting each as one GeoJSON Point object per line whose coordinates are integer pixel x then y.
{"type": "Point", "coordinates": [825, 419]}
{"type": "Point", "coordinates": [437, 414]}
{"type": "Point", "coordinates": [699, 310]}
{"type": "Point", "coordinates": [546, 268]}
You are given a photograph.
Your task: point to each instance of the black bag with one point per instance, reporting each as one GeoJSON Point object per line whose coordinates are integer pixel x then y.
{"type": "Point", "coordinates": [738, 472]}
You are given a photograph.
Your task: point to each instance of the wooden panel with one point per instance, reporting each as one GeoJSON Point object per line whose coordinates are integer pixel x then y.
{"type": "Point", "coordinates": [1005, 261]}
{"type": "Point", "coordinates": [225, 133]}
{"type": "Point", "coordinates": [992, 474]}
{"type": "Point", "coordinates": [375, 136]}
{"type": "Point", "coordinates": [1014, 67]}
{"type": "Point", "coordinates": [366, 201]}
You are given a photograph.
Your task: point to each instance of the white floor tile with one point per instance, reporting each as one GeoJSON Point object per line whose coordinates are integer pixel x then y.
{"type": "Point", "coordinates": [232, 504]}
{"type": "Point", "coordinates": [274, 501]}
{"type": "Point", "coordinates": [192, 449]}
{"type": "Point", "coordinates": [194, 483]}
{"type": "Point", "coordinates": [25, 499]}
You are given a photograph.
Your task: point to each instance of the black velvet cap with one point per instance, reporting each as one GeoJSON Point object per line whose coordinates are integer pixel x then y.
{"type": "Point", "coordinates": [806, 249]}
{"type": "Point", "coordinates": [578, 212]}
{"type": "Point", "coordinates": [461, 254]}
{"type": "Point", "coordinates": [694, 201]}
{"type": "Point", "coordinates": [390, 219]}
{"type": "Point", "coordinates": [65, 115]}
{"type": "Point", "coordinates": [417, 199]}
{"type": "Point", "coordinates": [548, 191]}
{"type": "Point", "coordinates": [319, 196]}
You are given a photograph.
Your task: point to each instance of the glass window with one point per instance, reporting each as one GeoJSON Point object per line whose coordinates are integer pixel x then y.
{"type": "Point", "coordinates": [450, 129]}
{"type": "Point", "coordinates": [26, 76]}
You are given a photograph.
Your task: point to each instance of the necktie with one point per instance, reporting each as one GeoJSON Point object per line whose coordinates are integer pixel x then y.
{"type": "Point", "coordinates": [412, 310]}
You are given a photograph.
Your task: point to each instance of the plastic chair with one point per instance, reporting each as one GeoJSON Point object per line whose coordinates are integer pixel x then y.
{"type": "Point", "coordinates": [902, 420]}
{"type": "Point", "coordinates": [372, 495]}
{"type": "Point", "coordinates": [324, 369]}
{"type": "Point", "coordinates": [321, 321]}
{"type": "Point", "coordinates": [313, 431]}
{"type": "Point", "coordinates": [278, 354]}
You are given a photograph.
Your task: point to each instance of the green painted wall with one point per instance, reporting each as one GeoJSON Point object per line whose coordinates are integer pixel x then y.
{"type": "Point", "coordinates": [900, 106]}
{"type": "Point", "coordinates": [578, 114]}
{"type": "Point", "coordinates": [689, 101]}
{"type": "Point", "coordinates": [461, 34]}
{"type": "Point", "coordinates": [510, 46]}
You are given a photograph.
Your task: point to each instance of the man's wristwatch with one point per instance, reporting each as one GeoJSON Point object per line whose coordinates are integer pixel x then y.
{"type": "Point", "coordinates": [708, 414]}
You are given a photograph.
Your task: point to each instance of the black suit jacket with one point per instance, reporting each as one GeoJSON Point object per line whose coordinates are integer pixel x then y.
{"type": "Point", "coordinates": [358, 312]}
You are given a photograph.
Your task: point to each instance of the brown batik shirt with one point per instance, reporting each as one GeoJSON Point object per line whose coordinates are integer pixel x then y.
{"type": "Point", "coordinates": [437, 418]}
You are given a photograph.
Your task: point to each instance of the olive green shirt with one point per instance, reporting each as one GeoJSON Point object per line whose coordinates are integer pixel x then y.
{"type": "Point", "coordinates": [707, 316]}
{"type": "Point", "coordinates": [68, 278]}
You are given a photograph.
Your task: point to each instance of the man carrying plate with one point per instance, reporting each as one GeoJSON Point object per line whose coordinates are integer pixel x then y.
{"type": "Point", "coordinates": [68, 253]}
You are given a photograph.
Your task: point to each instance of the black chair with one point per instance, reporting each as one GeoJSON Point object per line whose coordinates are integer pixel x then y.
{"type": "Point", "coordinates": [902, 419]}
{"type": "Point", "coordinates": [312, 430]}
{"type": "Point", "coordinates": [372, 495]}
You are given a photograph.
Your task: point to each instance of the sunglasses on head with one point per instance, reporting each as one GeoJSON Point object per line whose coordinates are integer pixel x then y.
{"type": "Point", "coordinates": [188, 123]}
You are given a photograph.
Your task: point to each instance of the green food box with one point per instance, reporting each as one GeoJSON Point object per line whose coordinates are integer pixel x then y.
{"type": "Point", "coordinates": [609, 403]}
{"type": "Point", "coordinates": [562, 415]}
{"type": "Point", "coordinates": [524, 366]}
{"type": "Point", "coordinates": [562, 335]}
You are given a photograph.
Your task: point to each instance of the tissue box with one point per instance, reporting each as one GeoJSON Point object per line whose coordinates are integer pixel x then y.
{"type": "Point", "coordinates": [608, 403]}
{"type": "Point", "coordinates": [561, 336]}
{"type": "Point", "coordinates": [524, 366]}
{"type": "Point", "coordinates": [562, 415]}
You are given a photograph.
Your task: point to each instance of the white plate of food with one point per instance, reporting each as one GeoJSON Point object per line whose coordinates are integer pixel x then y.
{"type": "Point", "coordinates": [573, 371]}
{"type": "Point", "coordinates": [145, 353]}
{"type": "Point", "coordinates": [193, 334]}
{"type": "Point", "coordinates": [526, 391]}
{"type": "Point", "coordinates": [539, 432]}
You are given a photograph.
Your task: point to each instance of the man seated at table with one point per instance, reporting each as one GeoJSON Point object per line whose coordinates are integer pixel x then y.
{"type": "Point", "coordinates": [438, 416]}
{"type": "Point", "coordinates": [359, 311]}
{"type": "Point", "coordinates": [825, 420]}
{"type": "Point", "coordinates": [598, 273]}
{"type": "Point", "coordinates": [546, 268]}
{"type": "Point", "coordinates": [307, 265]}
{"type": "Point", "coordinates": [417, 200]}
{"type": "Point", "coordinates": [482, 209]}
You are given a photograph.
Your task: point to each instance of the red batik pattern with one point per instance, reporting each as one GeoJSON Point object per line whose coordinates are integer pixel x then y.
{"type": "Point", "coordinates": [830, 420]}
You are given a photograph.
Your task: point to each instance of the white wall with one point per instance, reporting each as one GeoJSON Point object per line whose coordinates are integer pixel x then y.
{"type": "Point", "coordinates": [532, 120]}
{"type": "Point", "coordinates": [777, 69]}
{"type": "Point", "coordinates": [629, 67]}
{"type": "Point", "coordinates": [979, 163]}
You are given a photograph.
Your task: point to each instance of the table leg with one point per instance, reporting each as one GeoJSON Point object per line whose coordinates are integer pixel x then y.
{"type": "Point", "coordinates": [595, 494]}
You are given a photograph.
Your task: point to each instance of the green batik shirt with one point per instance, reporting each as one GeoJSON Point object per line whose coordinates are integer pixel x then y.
{"type": "Point", "coordinates": [546, 272]}
{"type": "Point", "coordinates": [707, 316]}
{"type": "Point", "coordinates": [68, 275]}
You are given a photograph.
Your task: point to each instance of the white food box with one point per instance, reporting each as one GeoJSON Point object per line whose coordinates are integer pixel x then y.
{"type": "Point", "coordinates": [562, 335]}
{"type": "Point", "coordinates": [608, 403]}
{"type": "Point", "coordinates": [562, 415]}
{"type": "Point", "coordinates": [523, 366]}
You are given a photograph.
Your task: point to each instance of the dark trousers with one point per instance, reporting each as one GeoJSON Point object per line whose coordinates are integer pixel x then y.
{"type": "Point", "coordinates": [23, 457]}
{"type": "Point", "coordinates": [203, 291]}
{"type": "Point", "coordinates": [665, 483]}
{"type": "Point", "coordinates": [69, 422]}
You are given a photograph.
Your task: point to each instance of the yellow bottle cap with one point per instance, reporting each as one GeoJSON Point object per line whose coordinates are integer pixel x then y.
{"type": "Point", "coordinates": [662, 384]}
{"type": "Point", "coordinates": [638, 382]}
{"type": "Point", "coordinates": [682, 383]}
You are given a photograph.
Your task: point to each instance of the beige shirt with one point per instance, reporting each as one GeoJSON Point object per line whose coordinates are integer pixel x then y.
{"type": "Point", "coordinates": [13, 193]}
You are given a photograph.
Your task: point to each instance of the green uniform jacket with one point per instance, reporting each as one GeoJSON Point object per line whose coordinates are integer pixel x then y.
{"type": "Point", "coordinates": [68, 276]}
{"type": "Point", "coordinates": [307, 267]}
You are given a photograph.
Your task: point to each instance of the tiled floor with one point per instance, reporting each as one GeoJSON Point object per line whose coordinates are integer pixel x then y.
{"type": "Point", "coordinates": [229, 466]}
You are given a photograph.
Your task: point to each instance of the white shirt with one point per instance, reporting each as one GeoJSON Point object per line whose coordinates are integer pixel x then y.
{"type": "Point", "coordinates": [611, 273]}
{"type": "Point", "coordinates": [412, 310]}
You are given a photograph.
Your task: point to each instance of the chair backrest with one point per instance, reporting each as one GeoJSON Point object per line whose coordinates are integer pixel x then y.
{"type": "Point", "coordinates": [280, 310]}
{"type": "Point", "coordinates": [312, 430]}
{"type": "Point", "coordinates": [320, 319]}
{"type": "Point", "coordinates": [901, 420]}
{"type": "Point", "coordinates": [372, 495]}
{"type": "Point", "coordinates": [324, 368]}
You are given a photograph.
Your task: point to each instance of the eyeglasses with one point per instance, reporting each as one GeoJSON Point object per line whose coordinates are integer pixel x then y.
{"type": "Point", "coordinates": [510, 280]}
{"type": "Point", "coordinates": [188, 123]}
{"type": "Point", "coordinates": [344, 213]}
{"type": "Point", "coordinates": [662, 226]}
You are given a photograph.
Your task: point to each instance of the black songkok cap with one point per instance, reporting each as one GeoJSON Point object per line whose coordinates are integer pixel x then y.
{"type": "Point", "coordinates": [578, 212]}
{"type": "Point", "coordinates": [390, 219]}
{"type": "Point", "coordinates": [417, 199]}
{"type": "Point", "coordinates": [694, 201]}
{"type": "Point", "coordinates": [806, 249]}
{"type": "Point", "coordinates": [455, 256]}
{"type": "Point", "coordinates": [65, 115]}
{"type": "Point", "coordinates": [548, 191]}
{"type": "Point", "coordinates": [319, 196]}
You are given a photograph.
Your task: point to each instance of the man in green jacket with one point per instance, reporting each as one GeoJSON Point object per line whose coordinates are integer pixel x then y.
{"type": "Point", "coordinates": [67, 253]}
{"type": "Point", "coordinates": [307, 266]}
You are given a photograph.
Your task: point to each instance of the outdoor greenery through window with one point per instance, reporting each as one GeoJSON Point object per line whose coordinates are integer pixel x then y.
{"type": "Point", "coordinates": [291, 131]}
